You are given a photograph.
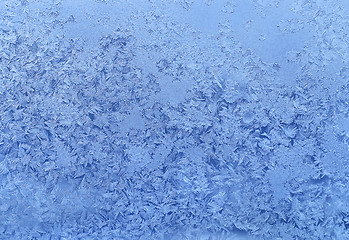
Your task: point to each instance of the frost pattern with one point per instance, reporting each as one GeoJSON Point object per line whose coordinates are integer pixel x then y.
{"type": "Point", "coordinates": [179, 119]}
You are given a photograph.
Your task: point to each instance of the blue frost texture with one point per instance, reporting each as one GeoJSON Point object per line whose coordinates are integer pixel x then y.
{"type": "Point", "coordinates": [174, 119]}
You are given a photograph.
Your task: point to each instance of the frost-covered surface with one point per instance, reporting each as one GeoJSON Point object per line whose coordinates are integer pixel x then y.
{"type": "Point", "coordinates": [174, 119]}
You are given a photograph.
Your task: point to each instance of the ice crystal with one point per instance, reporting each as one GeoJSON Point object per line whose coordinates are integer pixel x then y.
{"type": "Point", "coordinates": [181, 119]}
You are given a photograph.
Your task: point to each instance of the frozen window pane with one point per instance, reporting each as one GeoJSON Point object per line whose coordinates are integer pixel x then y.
{"type": "Point", "coordinates": [174, 119]}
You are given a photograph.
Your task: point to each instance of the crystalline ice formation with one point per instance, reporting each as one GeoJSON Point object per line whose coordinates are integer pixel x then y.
{"type": "Point", "coordinates": [181, 119]}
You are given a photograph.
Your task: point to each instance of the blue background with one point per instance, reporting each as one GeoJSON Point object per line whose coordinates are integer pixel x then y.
{"type": "Point", "coordinates": [174, 119]}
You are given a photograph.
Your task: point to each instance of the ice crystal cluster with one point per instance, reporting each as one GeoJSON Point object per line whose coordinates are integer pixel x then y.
{"type": "Point", "coordinates": [174, 119]}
